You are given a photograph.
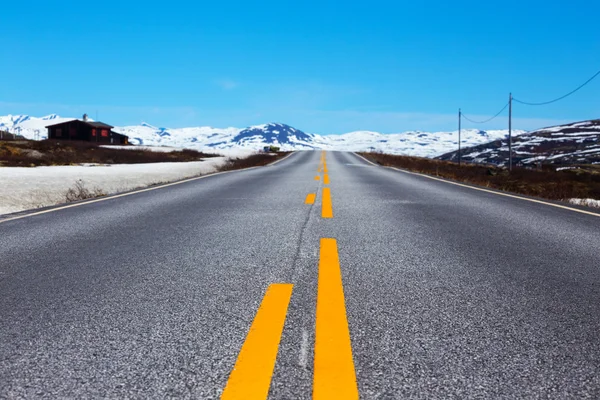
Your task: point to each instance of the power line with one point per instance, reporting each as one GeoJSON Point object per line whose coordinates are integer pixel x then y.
{"type": "Point", "coordinates": [561, 97]}
{"type": "Point", "coordinates": [487, 120]}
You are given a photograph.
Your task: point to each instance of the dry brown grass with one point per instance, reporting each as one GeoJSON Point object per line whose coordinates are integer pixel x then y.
{"type": "Point", "coordinates": [79, 191]}
{"type": "Point", "coordinates": [30, 153]}
{"type": "Point", "coordinates": [546, 183]}
{"type": "Point", "coordinates": [255, 160]}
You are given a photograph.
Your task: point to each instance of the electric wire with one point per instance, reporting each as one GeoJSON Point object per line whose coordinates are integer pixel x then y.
{"type": "Point", "coordinates": [561, 97]}
{"type": "Point", "coordinates": [487, 120]}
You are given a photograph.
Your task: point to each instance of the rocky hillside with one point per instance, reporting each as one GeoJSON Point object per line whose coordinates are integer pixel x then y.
{"type": "Point", "coordinates": [575, 143]}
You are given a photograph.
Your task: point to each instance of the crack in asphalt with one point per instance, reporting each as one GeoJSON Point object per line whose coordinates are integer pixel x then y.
{"type": "Point", "coordinates": [295, 272]}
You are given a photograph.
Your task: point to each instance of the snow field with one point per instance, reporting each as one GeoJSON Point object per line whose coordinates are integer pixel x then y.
{"type": "Point", "coordinates": [28, 188]}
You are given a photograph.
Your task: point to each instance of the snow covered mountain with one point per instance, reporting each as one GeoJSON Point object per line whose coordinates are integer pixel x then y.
{"type": "Point", "coordinates": [578, 143]}
{"type": "Point", "coordinates": [30, 127]}
{"type": "Point", "coordinates": [277, 134]}
{"type": "Point", "coordinates": [211, 139]}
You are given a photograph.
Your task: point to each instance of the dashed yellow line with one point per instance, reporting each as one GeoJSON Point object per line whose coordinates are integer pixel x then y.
{"type": "Point", "coordinates": [334, 374]}
{"type": "Point", "coordinates": [317, 178]}
{"type": "Point", "coordinates": [326, 207]}
{"type": "Point", "coordinates": [326, 179]}
{"type": "Point", "coordinates": [310, 198]}
{"type": "Point", "coordinates": [251, 375]}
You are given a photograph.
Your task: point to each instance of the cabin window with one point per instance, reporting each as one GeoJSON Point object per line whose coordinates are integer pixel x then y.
{"type": "Point", "coordinates": [73, 131]}
{"type": "Point", "coordinates": [104, 133]}
{"type": "Point", "coordinates": [93, 132]}
{"type": "Point", "coordinates": [58, 132]}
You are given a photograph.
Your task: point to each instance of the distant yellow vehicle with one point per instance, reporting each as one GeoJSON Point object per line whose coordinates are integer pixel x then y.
{"type": "Point", "coordinates": [270, 149]}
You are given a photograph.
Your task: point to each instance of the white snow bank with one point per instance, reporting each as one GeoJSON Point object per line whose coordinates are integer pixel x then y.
{"type": "Point", "coordinates": [27, 188]}
{"type": "Point", "coordinates": [231, 152]}
{"type": "Point", "coordinates": [158, 149]}
{"type": "Point", "coordinates": [585, 202]}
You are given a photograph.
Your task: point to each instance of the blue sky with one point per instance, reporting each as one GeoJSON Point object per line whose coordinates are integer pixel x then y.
{"type": "Point", "coordinates": [323, 67]}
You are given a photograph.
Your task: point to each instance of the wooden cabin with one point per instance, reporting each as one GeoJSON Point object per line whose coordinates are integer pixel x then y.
{"type": "Point", "coordinates": [88, 131]}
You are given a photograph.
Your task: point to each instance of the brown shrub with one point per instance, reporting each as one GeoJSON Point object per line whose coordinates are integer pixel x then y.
{"type": "Point", "coordinates": [59, 152]}
{"type": "Point", "coordinates": [80, 192]}
{"type": "Point", "coordinates": [255, 160]}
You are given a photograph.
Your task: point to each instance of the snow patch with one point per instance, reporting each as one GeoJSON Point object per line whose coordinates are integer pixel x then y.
{"type": "Point", "coordinates": [27, 188]}
{"type": "Point", "coordinates": [585, 202]}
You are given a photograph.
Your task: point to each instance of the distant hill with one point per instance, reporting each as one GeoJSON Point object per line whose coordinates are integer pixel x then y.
{"type": "Point", "coordinates": [576, 143]}
{"type": "Point", "coordinates": [210, 139]}
{"type": "Point", "coordinates": [276, 134]}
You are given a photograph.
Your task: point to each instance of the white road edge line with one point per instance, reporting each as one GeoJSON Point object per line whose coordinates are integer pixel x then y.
{"type": "Point", "coordinates": [370, 162]}
{"type": "Point", "coordinates": [284, 158]}
{"type": "Point", "coordinates": [116, 196]}
{"type": "Point", "coordinates": [498, 193]}
{"type": "Point", "coordinates": [486, 190]}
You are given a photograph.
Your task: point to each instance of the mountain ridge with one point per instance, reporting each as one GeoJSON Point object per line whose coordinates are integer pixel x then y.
{"type": "Point", "coordinates": [414, 143]}
{"type": "Point", "coordinates": [574, 143]}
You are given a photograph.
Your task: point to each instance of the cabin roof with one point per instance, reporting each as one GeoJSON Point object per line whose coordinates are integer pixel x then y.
{"type": "Point", "coordinates": [94, 124]}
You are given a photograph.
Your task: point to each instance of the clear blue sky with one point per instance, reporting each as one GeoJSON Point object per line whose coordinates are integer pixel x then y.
{"type": "Point", "coordinates": [323, 67]}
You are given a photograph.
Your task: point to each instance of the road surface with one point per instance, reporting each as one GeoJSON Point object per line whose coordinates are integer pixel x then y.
{"type": "Point", "coordinates": [390, 285]}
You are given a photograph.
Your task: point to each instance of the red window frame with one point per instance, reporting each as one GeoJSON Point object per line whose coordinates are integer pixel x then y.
{"type": "Point", "coordinates": [104, 133]}
{"type": "Point", "coordinates": [94, 132]}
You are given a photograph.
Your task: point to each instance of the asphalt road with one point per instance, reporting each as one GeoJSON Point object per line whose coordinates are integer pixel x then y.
{"type": "Point", "coordinates": [449, 292]}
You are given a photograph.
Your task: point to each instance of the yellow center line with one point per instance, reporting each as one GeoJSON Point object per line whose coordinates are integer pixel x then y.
{"type": "Point", "coordinates": [326, 179]}
{"type": "Point", "coordinates": [251, 375]}
{"type": "Point", "coordinates": [317, 178]}
{"type": "Point", "coordinates": [326, 208]}
{"type": "Point", "coordinates": [334, 374]}
{"type": "Point", "coordinates": [310, 198]}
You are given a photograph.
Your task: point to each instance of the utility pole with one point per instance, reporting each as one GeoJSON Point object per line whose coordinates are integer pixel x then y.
{"type": "Point", "coordinates": [459, 121]}
{"type": "Point", "coordinates": [510, 131]}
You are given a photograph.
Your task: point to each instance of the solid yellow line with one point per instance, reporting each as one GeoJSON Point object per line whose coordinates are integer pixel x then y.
{"type": "Point", "coordinates": [310, 198]}
{"type": "Point", "coordinates": [326, 208]}
{"type": "Point", "coordinates": [334, 374]}
{"type": "Point", "coordinates": [251, 375]}
{"type": "Point", "coordinates": [326, 179]}
{"type": "Point", "coordinates": [317, 178]}
{"type": "Point", "coordinates": [499, 193]}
